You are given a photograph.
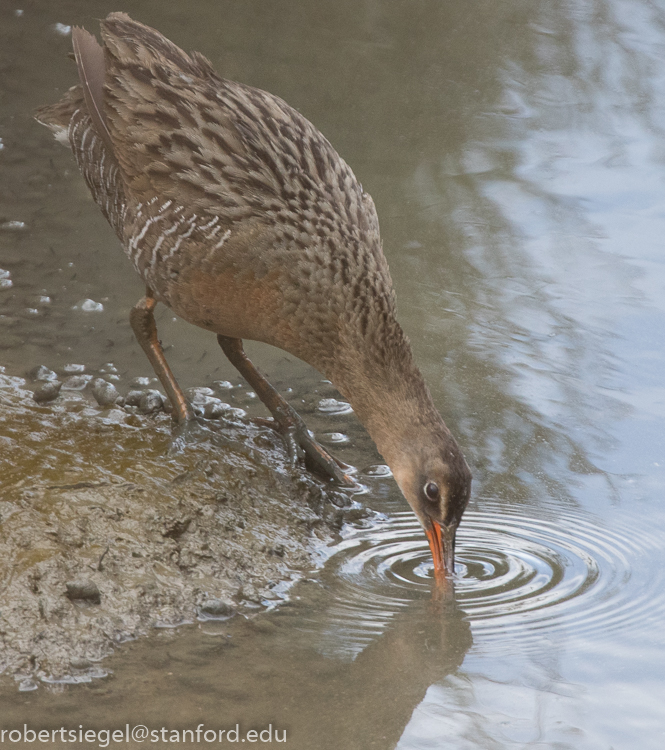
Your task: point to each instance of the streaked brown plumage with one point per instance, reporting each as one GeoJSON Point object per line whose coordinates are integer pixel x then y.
{"type": "Point", "coordinates": [242, 218]}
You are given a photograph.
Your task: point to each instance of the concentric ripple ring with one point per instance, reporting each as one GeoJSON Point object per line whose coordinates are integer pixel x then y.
{"type": "Point", "coordinates": [514, 574]}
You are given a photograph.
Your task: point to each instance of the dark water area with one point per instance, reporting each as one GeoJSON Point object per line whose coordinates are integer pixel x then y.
{"type": "Point", "coordinates": [515, 154]}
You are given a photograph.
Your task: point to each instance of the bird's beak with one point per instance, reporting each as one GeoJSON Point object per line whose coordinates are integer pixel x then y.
{"type": "Point", "coordinates": [442, 543]}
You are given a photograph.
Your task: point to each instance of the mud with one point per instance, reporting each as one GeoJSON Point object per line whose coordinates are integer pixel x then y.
{"type": "Point", "coordinates": [104, 534]}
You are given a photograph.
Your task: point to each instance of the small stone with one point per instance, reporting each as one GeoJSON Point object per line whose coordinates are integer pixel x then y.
{"type": "Point", "coordinates": [76, 382]}
{"type": "Point", "coordinates": [12, 226]}
{"type": "Point", "coordinates": [223, 385]}
{"type": "Point", "coordinates": [215, 408]}
{"type": "Point", "coordinates": [333, 406]}
{"type": "Point", "coordinates": [150, 402]}
{"type": "Point", "coordinates": [133, 398]}
{"type": "Point", "coordinates": [83, 590]}
{"type": "Point", "coordinates": [47, 391]}
{"type": "Point", "coordinates": [334, 438]}
{"type": "Point", "coordinates": [216, 609]}
{"type": "Point", "coordinates": [5, 279]}
{"type": "Point", "coordinates": [72, 369]}
{"type": "Point", "coordinates": [88, 305]}
{"type": "Point", "coordinates": [140, 382]}
{"type": "Point", "coordinates": [105, 393]}
{"type": "Point", "coordinates": [377, 470]}
{"type": "Point", "coordinates": [42, 373]}
{"type": "Point", "coordinates": [199, 395]}
{"type": "Point", "coordinates": [80, 663]}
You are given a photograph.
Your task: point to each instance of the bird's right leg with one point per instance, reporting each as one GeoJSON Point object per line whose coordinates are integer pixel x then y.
{"type": "Point", "coordinates": [286, 419]}
{"type": "Point", "coordinates": [142, 320]}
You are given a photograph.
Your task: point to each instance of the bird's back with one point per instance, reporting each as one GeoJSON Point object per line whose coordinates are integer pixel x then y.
{"type": "Point", "coordinates": [234, 208]}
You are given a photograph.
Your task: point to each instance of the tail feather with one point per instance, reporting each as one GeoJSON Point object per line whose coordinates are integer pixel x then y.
{"type": "Point", "coordinates": [92, 72]}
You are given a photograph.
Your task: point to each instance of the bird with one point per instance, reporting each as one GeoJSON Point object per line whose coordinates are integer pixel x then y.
{"type": "Point", "coordinates": [240, 216]}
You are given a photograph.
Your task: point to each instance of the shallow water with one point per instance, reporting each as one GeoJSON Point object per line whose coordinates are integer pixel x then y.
{"type": "Point", "coordinates": [515, 154]}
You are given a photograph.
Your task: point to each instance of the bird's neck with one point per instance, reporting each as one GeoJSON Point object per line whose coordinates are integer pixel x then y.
{"type": "Point", "coordinates": [388, 393]}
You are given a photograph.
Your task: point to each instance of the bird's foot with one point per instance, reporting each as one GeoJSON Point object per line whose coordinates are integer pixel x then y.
{"type": "Point", "coordinates": [185, 433]}
{"type": "Point", "coordinates": [302, 447]}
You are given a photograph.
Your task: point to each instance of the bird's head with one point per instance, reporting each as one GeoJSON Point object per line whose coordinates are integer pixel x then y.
{"type": "Point", "coordinates": [436, 482]}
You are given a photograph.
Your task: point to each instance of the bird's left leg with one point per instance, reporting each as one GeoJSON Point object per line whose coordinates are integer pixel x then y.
{"type": "Point", "coordinates": [287, 420]}
{"type": "Point", "coordinates": [142, 320]}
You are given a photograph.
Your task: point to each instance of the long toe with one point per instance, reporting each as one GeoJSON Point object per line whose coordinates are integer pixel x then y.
{"type": "Point", "coordinates": [319, 458]}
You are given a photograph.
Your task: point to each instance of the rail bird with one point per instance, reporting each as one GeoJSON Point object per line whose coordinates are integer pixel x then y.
{"type": "Point", "coordinates": [242, 218]}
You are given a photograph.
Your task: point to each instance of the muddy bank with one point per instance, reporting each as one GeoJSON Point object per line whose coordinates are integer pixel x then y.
{"type": "Point", "coordinates": [104, 535]}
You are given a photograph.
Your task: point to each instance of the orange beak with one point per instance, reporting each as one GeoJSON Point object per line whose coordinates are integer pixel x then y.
{"type": "Point", "coordinates": [442, 543]}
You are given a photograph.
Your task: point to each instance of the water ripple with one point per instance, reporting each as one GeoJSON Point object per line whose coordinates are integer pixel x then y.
{"type": "Point", "coordinates": [514, 576]}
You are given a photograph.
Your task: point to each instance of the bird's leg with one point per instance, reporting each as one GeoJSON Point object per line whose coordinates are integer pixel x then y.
{"type": "Point", "coordinates": [142, 320]}
{"type": "Point", "coordinates": [287, 419]}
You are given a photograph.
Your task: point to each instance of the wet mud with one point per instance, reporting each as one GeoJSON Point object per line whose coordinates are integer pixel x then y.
{"type": "Point", "coordinates": [106, 533]}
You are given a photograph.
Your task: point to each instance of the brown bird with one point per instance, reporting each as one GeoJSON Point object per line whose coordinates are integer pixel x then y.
{"type": "Point", "coordinates": [242, 218]}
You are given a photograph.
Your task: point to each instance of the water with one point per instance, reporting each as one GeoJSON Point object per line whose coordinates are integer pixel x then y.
{"type": "Point", "coordinates": [514, 151]}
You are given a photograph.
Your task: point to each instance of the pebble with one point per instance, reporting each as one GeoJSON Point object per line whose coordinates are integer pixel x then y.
{"type": "Point", "coordinates": [377, 470]}
{"type": "Point", "coordinates": [80, 663]}
{"type": "Point", "coordinates": [88, 305]}
{"type": "Point", "coordinates": [5, 279]}
{"type": "Point", "coordinates": [25, 686]}
{"type": "Point", "coordinates": [105, 393]}
{"type": "Point", "coordinates": [133, 398]}
{"type": "Point", "coordinates": [150, 402]}
{"type": "Point", "coordinates": [199, 395]}
{"type": "Point", "coordinates": [215, 409]}
{"type": "Point", "coordinates": [12, 226]}
{"type": "Point", "coordinates": [216, 609]}
{"type": "Point", "coordinates": [334, 438]}
{"type": "Point", "coordinates": [76, 382]}
{"type": "Point", "coordinates": [47, 391]}
{"type": "Point", "coordinates": [223, 385]}
{"type": "Point", "coordinates": [83, 590]}
{"type": "Point", "coordinates": [41, 372]}
{"type": "Point", "coordinates": [333, 406]}
{"type": "Point", "coordinates": [249, 593]}
{"type": "Point", "coordinates": [139, 383]}
{"type": "Point", "coordinates": [73, 368]}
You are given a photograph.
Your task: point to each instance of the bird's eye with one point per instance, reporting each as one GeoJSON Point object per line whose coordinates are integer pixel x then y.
{"type": "Point", "coordinates": [432, 490]}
